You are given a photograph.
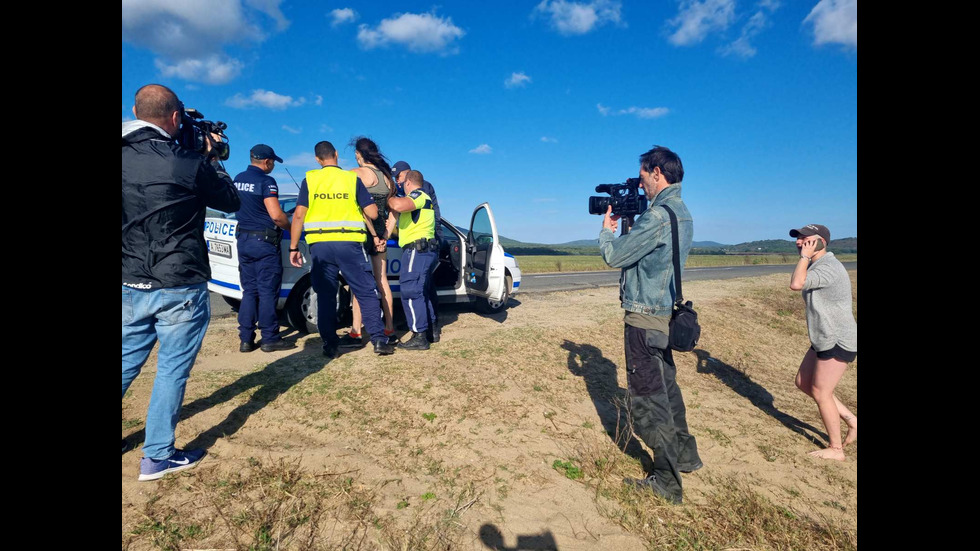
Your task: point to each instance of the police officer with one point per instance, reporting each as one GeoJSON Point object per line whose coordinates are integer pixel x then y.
{"type": "Point", "coordinates": [329, 209]}
{"type": "Point", "coordinates": [398, 172]}
{"type": "Point", "coordinates": [260, 225]}
{"type": "Point", "coordinates": [416, 237]}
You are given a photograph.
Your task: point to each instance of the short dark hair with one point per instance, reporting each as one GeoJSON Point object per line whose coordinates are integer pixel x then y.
{"type": "Point", "coordinates": [155, 102]}
{"type": "Point", "coordinates": [415, 177]}
{"type": "Point", "coordinates": [324, 150]}
{"type": "Point", "coordinates": [668, 161]}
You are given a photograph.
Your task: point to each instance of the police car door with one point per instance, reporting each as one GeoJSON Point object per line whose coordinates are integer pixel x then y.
{"type": "Point", "coordinates": [484, 270]}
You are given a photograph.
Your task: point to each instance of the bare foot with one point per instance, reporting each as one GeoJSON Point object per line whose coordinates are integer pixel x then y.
{"type": "Point", "coordinates": [852, 430]}
{"type": "Point", "coordinates": [829, 453]}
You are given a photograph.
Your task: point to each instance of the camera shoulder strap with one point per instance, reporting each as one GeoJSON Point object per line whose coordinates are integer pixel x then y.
{"type": "Point", "coordinates": [675, 252]}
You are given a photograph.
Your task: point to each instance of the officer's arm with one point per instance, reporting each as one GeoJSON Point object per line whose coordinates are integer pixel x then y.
{"type": "Point", "coordinates": [371, 211]}
{"type": "Point", "coordinates": [296, 229]}
{"type": "Point", "coordinates": [402, 204]}
{"type": "Point", "coordinates": [276, 213]}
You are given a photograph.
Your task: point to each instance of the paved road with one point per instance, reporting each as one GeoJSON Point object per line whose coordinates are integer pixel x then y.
{"type": "Point", "coordinates": [544, 283]}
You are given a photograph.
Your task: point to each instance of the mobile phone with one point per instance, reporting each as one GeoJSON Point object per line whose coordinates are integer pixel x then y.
{"type": "Point", "coordinates": [820, 245]}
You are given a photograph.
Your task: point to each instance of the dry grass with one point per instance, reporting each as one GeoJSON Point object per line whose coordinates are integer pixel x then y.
{"type": "Point", "coordinates": [511, 427]}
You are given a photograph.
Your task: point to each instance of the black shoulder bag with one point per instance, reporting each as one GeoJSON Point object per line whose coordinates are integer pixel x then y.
{"type": "Point", "coordinates": [684, 328]}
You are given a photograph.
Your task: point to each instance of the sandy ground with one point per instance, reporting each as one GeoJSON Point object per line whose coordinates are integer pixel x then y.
{"type": "Point", "coordinates": [510, 395]}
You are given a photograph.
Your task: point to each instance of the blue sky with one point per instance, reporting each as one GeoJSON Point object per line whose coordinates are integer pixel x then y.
{"type": "Point", "coordinates": [530, 105]}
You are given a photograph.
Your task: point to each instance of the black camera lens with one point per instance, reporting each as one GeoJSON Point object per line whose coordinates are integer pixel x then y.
{"type": "Point", "coordinates": [598, 205]}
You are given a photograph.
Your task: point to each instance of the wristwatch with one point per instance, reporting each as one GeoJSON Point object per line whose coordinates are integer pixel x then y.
{"type": "Point", "coordinates": [294, 250]}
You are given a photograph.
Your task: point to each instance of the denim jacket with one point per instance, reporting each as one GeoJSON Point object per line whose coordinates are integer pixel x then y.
{"type": "Point", "coordinates": [645, 255]}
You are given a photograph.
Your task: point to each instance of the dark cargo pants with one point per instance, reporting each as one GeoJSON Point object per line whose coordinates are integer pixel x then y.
{"type": "Point", "coordinates": [657, 408]}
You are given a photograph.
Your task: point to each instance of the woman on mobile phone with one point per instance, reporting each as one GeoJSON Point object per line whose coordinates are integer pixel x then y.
{"type": "Point", "coordinates": [832, 329]}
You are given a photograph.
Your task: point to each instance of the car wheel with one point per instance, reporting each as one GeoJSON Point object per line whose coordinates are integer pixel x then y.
{"type": "Point", "coordinates": [488, 306]}
{"type": "Point", "coordinates": [233, 302]}
{"type": "Point", "coordinates": [301, 306]}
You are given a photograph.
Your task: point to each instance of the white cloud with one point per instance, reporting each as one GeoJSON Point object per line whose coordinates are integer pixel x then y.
{"type": "Point", "coordinates": [325, 129]}
{"type": "Point", "coordinates": [696, 19]}
{"type": "Point", "coordinates": [191, 46]}
{"type": "Point", "coordinates": [571, 18]}
{"type": "Point", "coordinates": [270, 8]}
{"type": "Point", "coordinates": [318, 100]}
{"type": "Point", "coordinates": [342, 15]}
{"type": "Point", "coordinates": [482, 149]}
{"type": "Point", "coordinates": [834, 21]}
{"type": "Point", "coordinates": [214, 69]}
{"type": "Point", "coordinates": [742, 46]}
{"type": "Point", "coordinates": [263, 98]}
{"type": "Point", "coordinates": [517, 79]}
{"type": "Point", "coordinates": [292, 130]}
{"type": "Point", "coordinates": [419, 32]}
{"type": "Point", "coordinates": [546, 139]}
{"type": "Point", "coordinates": [638, 112]}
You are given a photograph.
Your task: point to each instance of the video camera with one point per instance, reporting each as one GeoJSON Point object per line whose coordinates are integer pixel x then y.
{"type": "Point", "coordinates": [625, 199]}
{"type": "Point", "coordinates": [194, 132]}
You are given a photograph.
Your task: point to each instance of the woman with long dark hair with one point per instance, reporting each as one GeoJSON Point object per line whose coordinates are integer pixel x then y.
{"type": "Point", "coordinates": [375, 173]}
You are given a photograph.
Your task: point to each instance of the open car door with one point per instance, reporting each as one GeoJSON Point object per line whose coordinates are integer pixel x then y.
{"type": "Point", "coordinates": [484, 270]}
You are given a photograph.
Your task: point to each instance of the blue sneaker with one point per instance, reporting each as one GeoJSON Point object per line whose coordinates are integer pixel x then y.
{"type": "Point", "coordinates": [152, 469]}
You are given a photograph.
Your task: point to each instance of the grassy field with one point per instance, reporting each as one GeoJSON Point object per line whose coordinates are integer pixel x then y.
{"type": "Point", "coordinates": [510, 433]}
{"type": "Point", "coordinates": [534, 264]}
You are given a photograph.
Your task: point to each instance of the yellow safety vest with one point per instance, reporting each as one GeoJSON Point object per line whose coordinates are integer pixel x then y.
{"type": "Point", "coordinates": [333, 213]}
{"type": "Point", "coordinates": [424, 228]}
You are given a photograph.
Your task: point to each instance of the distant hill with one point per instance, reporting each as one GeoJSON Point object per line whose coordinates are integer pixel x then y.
{"type": "Point", "coordinates": [591, 246]}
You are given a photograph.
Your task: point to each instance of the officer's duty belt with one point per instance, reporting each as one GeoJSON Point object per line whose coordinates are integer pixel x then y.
{"type": "Point", "coordinates": [423, 245]}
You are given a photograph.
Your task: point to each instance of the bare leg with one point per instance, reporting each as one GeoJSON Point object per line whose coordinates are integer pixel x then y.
{"type": "Point", "coordinates": [355, 326]}
{"type": "Point", "coordinates": [826, 375]}
{"type": "Point", "coordinates": [850, 419]}
{"type": "Point", "coordinates": [804, 381]}
{"type": "Point", "coordinates": [381, 277]}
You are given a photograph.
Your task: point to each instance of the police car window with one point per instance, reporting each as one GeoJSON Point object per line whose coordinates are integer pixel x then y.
{"type": "Point", "coordinates": [482, 231]}
{"type": "Point", "coordinates": [211, 213]}
{"type": "Point", "coordinates": [287, 203]}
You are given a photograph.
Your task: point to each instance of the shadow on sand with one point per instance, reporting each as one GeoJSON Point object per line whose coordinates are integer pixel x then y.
{"type": "Point", "coordinates": [609, 399]}
{"type": "Point", "coordinates": [756, 394]}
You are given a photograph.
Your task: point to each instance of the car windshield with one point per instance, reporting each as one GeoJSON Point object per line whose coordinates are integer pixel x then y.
{"type": "Point", "coordinates": [287, 202]}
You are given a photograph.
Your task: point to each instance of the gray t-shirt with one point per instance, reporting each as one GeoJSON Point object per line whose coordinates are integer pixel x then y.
{"type": "Point", "coordinates": [827, 295]}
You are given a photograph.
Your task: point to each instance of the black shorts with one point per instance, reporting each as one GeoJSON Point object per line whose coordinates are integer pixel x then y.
{"type": "Point", "coordinates": [836, 353]}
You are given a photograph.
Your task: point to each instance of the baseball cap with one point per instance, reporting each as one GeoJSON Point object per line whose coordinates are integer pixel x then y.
{"type": "Point", "coordinates": [812, 229]}
{"type": "Point", "coordinates": [262, 151]}
{"type": "Point", "coordinates": [398, 168]}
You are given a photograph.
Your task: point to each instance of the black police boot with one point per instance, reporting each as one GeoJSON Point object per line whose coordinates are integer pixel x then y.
{"type": "Point", "coordinates": [433, 334]}
{"type": "Point", "coordinates": [248, 346]}
{"type": "Point", "coordinates": [651, 483]}
{"type": "Point", "coordinates": [383, 348]}
{"type": "Point", "coordinates": [277, 345]}
{"type": "Point", "coordinates": [417, 342]}
{"type": "Point", "coordinates": [330, 351]}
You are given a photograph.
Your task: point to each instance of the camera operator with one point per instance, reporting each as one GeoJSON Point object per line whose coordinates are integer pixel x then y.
{"type": "Point", "coordinates": [261, 222]}
{"type": "Point", "coordinates": [648, 294]}
{"type": "Point", "coordinates": [165, 191]}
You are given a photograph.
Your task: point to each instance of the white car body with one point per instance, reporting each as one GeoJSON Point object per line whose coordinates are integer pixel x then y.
{"type": "Point", "coordinates": [472, 267]}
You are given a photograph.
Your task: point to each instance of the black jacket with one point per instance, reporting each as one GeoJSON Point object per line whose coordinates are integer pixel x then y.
{"type": "Point", "coordinates": [165, 191]}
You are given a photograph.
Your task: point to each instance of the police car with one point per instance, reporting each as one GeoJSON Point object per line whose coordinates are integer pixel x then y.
{"type": "Point", "coordinates": [473, 267]}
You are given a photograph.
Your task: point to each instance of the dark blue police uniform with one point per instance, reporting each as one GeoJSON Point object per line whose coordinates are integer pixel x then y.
{"type": "Point", "coordinates": [259, 260]}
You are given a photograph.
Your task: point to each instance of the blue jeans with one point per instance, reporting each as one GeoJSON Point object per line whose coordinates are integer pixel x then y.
{"type": "Point", "coordinates": [178, 317]}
